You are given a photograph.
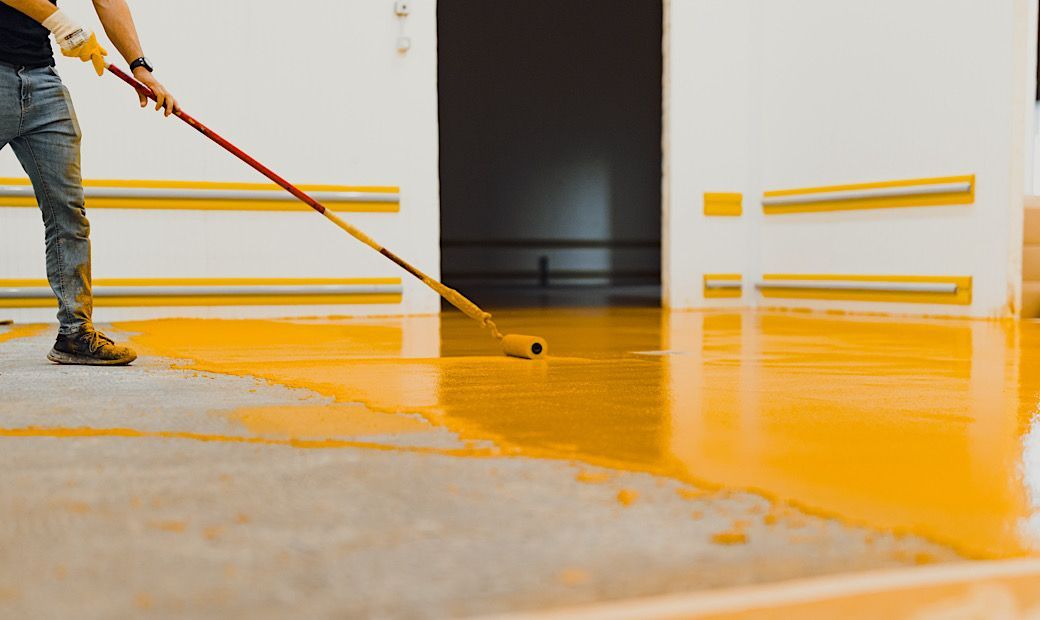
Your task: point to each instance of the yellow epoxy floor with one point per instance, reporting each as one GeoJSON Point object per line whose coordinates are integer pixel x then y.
{"type": "Point", "coordinates": [918, 426]}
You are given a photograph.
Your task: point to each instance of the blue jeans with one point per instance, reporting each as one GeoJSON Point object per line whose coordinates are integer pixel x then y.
{"type": "Point", "coordinates": [38, 121]}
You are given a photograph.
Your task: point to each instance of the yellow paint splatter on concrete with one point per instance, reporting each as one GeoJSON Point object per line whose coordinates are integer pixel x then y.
{"type": "Point", "coordinates": [730, 537]}
{"type": "Point", "coordinates": [593, 477]}
{"type": "Point", "coordinates": [169, 526]}
{"type": "Point", "coordinates": [627, 497]}
{"type": "Point", "coordinates": [9, 595]}
{"type": "Point", "coordinates": [80, 508]}
{"type": "Point", "coordinates": [144, 601]}
{"type": "Point", "coordinates": [573, 577]}
{"type": "Point", "coordinates": [735, 535]}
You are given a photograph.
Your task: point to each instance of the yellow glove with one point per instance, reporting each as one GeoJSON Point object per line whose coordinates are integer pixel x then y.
{"type": "Point", "coordinates": [76, 41]}
{"type": "Point", "coordinates": [91, 51]}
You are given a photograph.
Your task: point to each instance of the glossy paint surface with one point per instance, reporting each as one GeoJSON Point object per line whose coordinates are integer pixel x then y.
{"type": "Point", "coordinates": [917, 426]}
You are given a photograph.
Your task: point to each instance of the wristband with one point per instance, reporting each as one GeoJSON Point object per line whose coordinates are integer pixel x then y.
{"type": "Point", "coordinates": [67, 33]}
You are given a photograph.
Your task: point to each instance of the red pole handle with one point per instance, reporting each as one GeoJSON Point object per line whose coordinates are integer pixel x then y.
{"type": "Point", "coordinates": [454, 297]}
{"type": "Point", "coordinates": [228, 146]}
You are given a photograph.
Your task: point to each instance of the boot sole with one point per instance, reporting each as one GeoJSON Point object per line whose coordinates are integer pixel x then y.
{"type": "Point", "coordinates": [68, 359]}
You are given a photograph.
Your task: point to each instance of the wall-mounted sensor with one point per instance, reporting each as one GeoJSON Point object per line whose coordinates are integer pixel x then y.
{"type": "Point", "coordinates": [403, 8]}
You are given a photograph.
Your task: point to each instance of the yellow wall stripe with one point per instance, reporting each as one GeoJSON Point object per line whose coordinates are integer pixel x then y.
{"type": "Point", "coordinates": [962, 296]}
{"type": "Point", "coordinates": [279, 201]}
{"type": "Point", "coordinates": [723, 293]}
{"type": "Point", "coordinates": [919, 200]}
{"type": "Point", "coordinates": [723, 204]}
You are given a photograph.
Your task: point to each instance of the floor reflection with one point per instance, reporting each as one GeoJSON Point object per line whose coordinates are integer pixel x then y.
{"type": "Point", "coordinates": [916, 426]}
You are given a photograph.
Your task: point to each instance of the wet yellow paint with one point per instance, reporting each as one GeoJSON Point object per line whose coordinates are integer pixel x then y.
{"type": "Point", "coordinates": [917, 426]}
{"type": "Point", "coordinates": [326, 422]}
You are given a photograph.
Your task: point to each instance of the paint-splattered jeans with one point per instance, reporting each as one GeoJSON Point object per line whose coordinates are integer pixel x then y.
{"type": "Point", "coordinates": [38, 121]}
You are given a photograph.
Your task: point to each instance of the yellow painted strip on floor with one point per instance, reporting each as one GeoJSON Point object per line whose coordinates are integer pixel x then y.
{"type": "Point", "coordinates": [218, 300]}
{"type": "Point", "coordinates": [920, 200]}
{"type": "Point", "coordinates": [723, 293]}
{"type": "Point", "coordinates": [30, 283]}
{"type": "Point", "coordinates": [962, 296]}
{"type": "Point", "coordinates": [723, 204]}
{"type": "Point", "coordinates": [279, 201]}
{"type": "Point", "coordinates": [304, 444]}
{"type": "Point", "coordinates": [20, 331]}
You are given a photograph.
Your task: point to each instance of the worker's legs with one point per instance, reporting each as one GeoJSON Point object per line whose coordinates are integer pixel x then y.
{"type": "Point", "coordinates": [48, 146]}
{"type": "Point", "coordinates": [9, 111]}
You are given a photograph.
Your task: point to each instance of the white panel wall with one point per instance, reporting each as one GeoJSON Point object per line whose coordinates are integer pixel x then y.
{"type": "Point", "coordinates": [807, 93]}
{"type": "Point", "coordinates": [315, 89]}
{"type": "Point", "coordinates": [709, 143]}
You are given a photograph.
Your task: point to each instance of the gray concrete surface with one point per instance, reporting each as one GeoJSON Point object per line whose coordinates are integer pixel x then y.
{"type": "Point", "coordinates": [110, 527]}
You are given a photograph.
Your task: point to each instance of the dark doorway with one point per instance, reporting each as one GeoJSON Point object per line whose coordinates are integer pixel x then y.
{"type": "Point", "coordinates": [550, 144]}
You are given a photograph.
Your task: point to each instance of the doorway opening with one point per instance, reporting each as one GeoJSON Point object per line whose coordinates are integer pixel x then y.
{"type": "Point", "coordinates": [550, 150]}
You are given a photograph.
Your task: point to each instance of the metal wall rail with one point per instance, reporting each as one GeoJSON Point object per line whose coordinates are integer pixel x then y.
{"type": "Point", "coordinates": [723, 284]}
{"type": "Point", "coordinates": [142, 193]}
{"type": "Point", "coordinates": [867, 194]}
{"type": "Point", "coordinates": [881, 287]}
{"type": "Point", "coordinates": [212, 291]}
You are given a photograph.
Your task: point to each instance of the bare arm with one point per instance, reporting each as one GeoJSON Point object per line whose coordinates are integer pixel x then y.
{"type": "Point", "coordinates": [36, 9]}
{"type": "Point", "coordinates": [119, 26]}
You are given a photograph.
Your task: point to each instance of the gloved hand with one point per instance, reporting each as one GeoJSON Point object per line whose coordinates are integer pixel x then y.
{"type": "Point", "coordinates": [89, 50]}
{"type": "Point", "coordinates": [76, 41]}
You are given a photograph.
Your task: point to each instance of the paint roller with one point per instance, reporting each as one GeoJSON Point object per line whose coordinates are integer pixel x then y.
{"type": "Point", "coordinates": [526, 347]}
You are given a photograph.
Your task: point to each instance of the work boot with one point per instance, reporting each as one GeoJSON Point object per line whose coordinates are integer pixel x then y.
{"type": "Point", "coordinates": [89, 347]}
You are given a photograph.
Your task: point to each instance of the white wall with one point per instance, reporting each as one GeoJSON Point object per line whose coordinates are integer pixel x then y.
{"type": "Point", "coordinates": [316, 90]}
{"type": "Point", "coordinates": [809, 93]}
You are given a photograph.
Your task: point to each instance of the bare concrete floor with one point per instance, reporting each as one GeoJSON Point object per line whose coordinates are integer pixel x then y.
{"type": "Point", "coordinates": [179, 520]}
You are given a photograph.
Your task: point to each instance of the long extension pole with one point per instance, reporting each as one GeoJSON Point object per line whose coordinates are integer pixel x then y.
{"type": "Point", "coordinates": [455, 298]}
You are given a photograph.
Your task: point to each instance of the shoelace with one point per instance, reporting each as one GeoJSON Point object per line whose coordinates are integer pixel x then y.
{"type": "Point", "coordinates": [97, 341]}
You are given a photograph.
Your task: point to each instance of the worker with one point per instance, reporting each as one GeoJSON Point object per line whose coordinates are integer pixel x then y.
{"type": "Point", "coordinates": [38, 121]}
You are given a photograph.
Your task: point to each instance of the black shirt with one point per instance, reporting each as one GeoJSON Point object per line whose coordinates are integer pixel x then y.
{"type": "Point", "coordinates": [24, 42]}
